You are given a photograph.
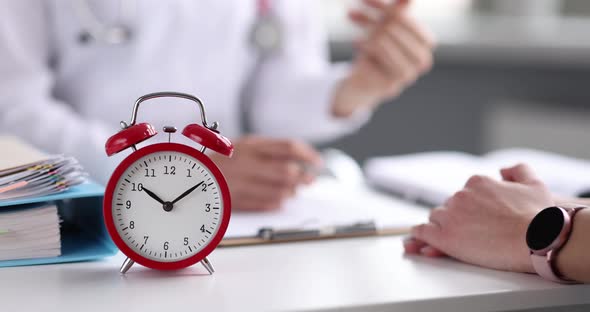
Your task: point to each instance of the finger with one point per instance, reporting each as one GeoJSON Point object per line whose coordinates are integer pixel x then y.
{"type": "Point", "coordinates": [430, 251]}
{"type": "Point", "coordinates": [278, 172]}
{"type": "Point", "coordinates": [459, 199]}
{"type": "Point", "coordinates": [398, 11]}
{"type": "Point", "coordinates": [369, 55]}
{"type": "Point", "coordinates": [418, 31]}
{"type": "Point", "coordinates": [362, 19]}
{"type": "Point", "coordinates": [290, 149]}
{"type": "Point", "coordinates": [389, 59]}
{"type": "Point", "coordinates": [377, 4]}
{"type": "Point", "coordinates": [404, 71]}
{"type": "Point", "coordinates": [412, 49]}
{"type": "Point", "coordinates": [382, 8]}
{"type": "Point", "coordinates": [308, 178]}
{"type": "Point", "coordinates": [403, 3]}
{"type": "Point", "coordinates": [520, 173]}
{"type": "Point", "coordinates": [438, 216]}
{"type": "Point", "coordinates": [479, 182]}
{"type": "Point", "coordinates": [387, 5]}
{"type": "Point", "coordinates": [427, 232]}
{"type": "Point", "coordinates": [413, 245]}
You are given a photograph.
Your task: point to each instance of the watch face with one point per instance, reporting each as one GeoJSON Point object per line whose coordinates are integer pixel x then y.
{"type": "Point", "coordinates": [545, 228]}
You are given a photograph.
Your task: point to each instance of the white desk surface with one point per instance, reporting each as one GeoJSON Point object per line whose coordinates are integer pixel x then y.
{"type": "Point", "coordinates": [363, 274]}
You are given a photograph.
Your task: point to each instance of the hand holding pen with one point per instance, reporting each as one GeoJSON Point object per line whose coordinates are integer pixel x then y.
{"type": "Point", "coordinates": [264, 172]}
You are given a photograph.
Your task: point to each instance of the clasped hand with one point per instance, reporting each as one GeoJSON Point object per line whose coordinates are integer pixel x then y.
{"type": "Point", "coordinates": [485, 222]}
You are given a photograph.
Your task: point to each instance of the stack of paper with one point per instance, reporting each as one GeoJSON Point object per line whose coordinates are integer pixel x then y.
{"type": "Point", "coordinates": [26, 172]}
{"type": "Point", "coordinates": [30, 233]}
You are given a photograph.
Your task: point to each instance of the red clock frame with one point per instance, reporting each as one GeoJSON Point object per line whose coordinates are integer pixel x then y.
{"type": "Point", "coordinates": [108, 206]}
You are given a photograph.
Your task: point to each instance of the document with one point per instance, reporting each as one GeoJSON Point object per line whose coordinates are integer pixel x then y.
{"type": "Point", "coordinates": [27, 172]}
{"type": "Point", "coordinates": [30, 232]}
{"type": "Point", "coordinates": [16, 154]}
{"type": "Point", "coordinates": [329, 203]}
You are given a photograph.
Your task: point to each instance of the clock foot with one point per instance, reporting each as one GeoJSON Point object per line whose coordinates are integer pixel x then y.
{"type": "Point", "coordinates": [205, 262]}
{"type": "Point", "coordinates": [126, 265]}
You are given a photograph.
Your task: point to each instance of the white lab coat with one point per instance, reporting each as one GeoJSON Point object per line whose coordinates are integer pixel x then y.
{"type": "Point", "coordinates": [66, 97]}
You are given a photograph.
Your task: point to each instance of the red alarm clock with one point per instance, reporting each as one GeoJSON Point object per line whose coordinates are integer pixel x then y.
{"type": "Point", "coordinates": [167, 205]}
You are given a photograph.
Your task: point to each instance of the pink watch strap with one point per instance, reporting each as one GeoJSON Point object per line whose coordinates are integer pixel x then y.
{"type": "Point", "coordinates": [545, 264]}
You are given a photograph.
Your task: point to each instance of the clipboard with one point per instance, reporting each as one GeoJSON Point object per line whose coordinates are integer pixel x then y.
{"type": "Point", "coordinates": [276, 236]}
{"type": "Point", "coordinates": [326, 210]}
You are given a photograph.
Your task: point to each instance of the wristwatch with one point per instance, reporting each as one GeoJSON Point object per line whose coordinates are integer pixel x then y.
{"type": "Point", "coordinates": [546, 235]}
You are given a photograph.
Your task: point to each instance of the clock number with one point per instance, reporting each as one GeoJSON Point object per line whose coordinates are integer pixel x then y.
{"type": "Point", "coordinates": [186, 241]}
{"type": "Point", "coordinates": [128, 204]}
{"type": "Point", "coordinates": [131, 225]}
{"type": "Point", "coordinates": [145, 239]}
{"type": "Point", "coordinates": [139, 187]}
{"type": "Point", "coordinates": [165, 245]}
{"type": "Point", "coordinates": [207, 207]}
{"type": "Point", "coordinates": [147, 173]}
{"type": "Point", "coordinates": [204, 189]}
{"type": "Point", "coordinates": [203, 228]}
{"type": "Point", "coordinates": [172, 170]}
{"type": "Point", "coordinates": [188, 173]}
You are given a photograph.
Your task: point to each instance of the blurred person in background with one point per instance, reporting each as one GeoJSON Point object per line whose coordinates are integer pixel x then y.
{"type": "Point", "coordinates": [70, 70]}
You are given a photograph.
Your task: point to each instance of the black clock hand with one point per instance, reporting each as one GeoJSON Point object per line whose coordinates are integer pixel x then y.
{"type": "Point", "coordinates": [187, 192]}
{"type": "Point", "coordinates": [154, 196]}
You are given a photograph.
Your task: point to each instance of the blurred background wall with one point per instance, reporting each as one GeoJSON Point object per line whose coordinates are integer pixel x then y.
{"type": "Point", "coordinates": [507, 73]}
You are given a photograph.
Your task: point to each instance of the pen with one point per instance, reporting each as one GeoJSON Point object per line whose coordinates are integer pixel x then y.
{"type": "Point", "coordinates": [315, 170]}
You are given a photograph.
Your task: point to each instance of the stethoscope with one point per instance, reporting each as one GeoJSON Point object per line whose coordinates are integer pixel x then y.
{"type": "Point", "coordinates": [96, 31]}
{"type": "Point", "coordinates": [266, 38]}
{"type": "Point", "coordinates": [265, 34]}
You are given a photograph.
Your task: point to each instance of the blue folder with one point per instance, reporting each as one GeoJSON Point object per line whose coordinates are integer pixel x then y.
{"type": "Point", "coordinates": [83, 235]}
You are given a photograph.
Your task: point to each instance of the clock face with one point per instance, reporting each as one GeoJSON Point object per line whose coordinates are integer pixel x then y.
{"type": "Point", "coordinates": [167, 206]}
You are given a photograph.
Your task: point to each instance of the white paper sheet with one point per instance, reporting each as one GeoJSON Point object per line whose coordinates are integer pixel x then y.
{"type": "Point", "coordinates": [434, 176]}
{"type": "Point", "coordinates": [329, 203]}
{"type": "Point", "coordinates": [427, 177]}
{"type": "Point", "coordinates": [30, 232]}
{"type": "Point", "coordinates": [16, 153]}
